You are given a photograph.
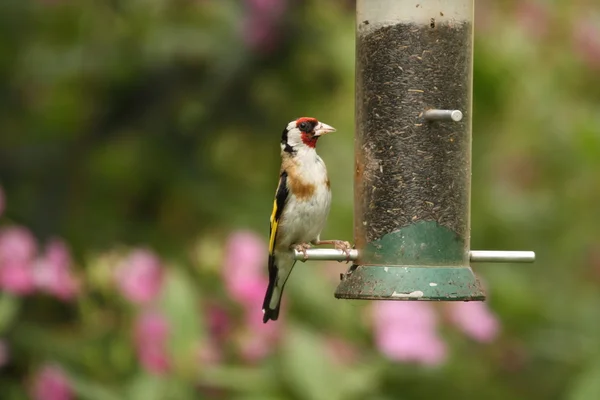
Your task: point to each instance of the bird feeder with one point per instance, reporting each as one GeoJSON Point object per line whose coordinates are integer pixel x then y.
{"type": "Point", "coordinates": [412, 181]}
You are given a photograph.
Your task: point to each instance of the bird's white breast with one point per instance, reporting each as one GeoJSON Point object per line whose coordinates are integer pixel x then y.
{"type": "Point", "coordinates": [304, 217]}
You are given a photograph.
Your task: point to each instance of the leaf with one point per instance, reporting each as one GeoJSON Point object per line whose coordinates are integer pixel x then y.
{"type": "Point", "coordinates": [9, 307]}
{"type": "Point", "coordinates": [88, 390]}
{"type": "Point", "coordinates": [238, 379]}
{"type": "Point", "coordinates": [146, 387]}
{"type": "Point", "coordinates": [359, 381]}
{"type": "Point", "coordinates": [587, 385]}
{"type": "Point", "coordinates": [259, 397]}
{"type": "Point", "coordinates": [307, 368]}
{"type": "Point", "coordinates": [312, 373]}
{"type": "Point", "coordinates": [314, 297]}
{"type": "Point", "coordinates": [180, 304]}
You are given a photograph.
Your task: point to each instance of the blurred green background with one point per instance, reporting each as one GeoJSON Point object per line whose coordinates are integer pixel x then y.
{"type": "Point", "coordinates": [155, 124]}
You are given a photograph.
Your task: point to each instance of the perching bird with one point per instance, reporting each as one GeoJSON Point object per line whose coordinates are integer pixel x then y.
{"type": "Point", "coordinates": [301, 206]}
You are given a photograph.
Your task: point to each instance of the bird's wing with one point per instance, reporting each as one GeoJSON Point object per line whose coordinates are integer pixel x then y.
{"type": "Point", "coordinates": [281, 196]}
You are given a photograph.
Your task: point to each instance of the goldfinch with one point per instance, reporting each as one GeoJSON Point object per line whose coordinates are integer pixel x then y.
{"type": "Point", "coordinates": [301, 206]}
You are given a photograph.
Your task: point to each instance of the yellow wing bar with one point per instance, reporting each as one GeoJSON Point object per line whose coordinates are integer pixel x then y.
{"type": "Point", "coordinates": [273, 231]}
{"type": "Point", "coordinates": [281, 196]}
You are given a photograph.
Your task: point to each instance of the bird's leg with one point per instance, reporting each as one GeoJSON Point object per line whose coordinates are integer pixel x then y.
{"type": "Point", "coordinates": [337, 244]}
{"type": "Point", "coordinates": [302, 247]}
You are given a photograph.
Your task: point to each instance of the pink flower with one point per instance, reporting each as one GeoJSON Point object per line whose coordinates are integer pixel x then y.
{"type": "Point", "coordinates": [150, 336]}
{"type": "Point", "coordinates": [253, 319]}
{"type": "Point", "coordinates": [485, 12]}
{"type": "Point", "coordinates": [244, 269]}
{"type": "Point", "coordinates": [474, 319]}
{"type": "Point", "coordinates": [17, 249]}
{"type": "Point", "coordinates": [259, 34]}
{"type": "Point", "coordinates": [17, 244]}
{"type": "Point", "coordinates": [406, 331]}
{"type": "Point", "coordinates": [140, 276]}
{"type": "Point", "coordinates": [219, 327]}
{"type": "Point", "coordinates": [244, 272]}
{"type": "Point", "coordinates": [209, 353]}
{"type": "Point", "coordinates": [51, 383]}
{"type": "Point", "coordinates": [341, 351]}
{"type": "Point", "coordinates": [17, 277]}
{"type": "Point", "coordinates": [53, 271]}
{"type": "Point", "coordinates": [533, 18]}
{"type": "Point", "coordinates": [422, 348]}
{"type": "Point", "coordinates": [260, 25]}
{"type": "Point", "coordinates": [253, 348]}
{"type": "Point", "coordinates": [269, 7]}
{"type": "Point", "coordinates": [586, 38]}
{"type": "Point", "coordinates": [257, 340]}
{"type": "Point", "coordinates": [219, 323]}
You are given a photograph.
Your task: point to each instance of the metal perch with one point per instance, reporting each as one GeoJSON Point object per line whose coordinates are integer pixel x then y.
{"type": "Point", "coordinates": [490, 256]}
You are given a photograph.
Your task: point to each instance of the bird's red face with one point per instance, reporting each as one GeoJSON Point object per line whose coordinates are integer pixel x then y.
{"type": "Point", "coordinates": [304, 131]}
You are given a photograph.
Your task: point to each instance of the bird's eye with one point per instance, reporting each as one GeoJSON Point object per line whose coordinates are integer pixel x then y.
{"type": "Point", "coordinates": [303, 126]}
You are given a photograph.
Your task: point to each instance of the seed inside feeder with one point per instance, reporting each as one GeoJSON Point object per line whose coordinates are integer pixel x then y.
{"type": "Point", "coordinates": [409, 169]}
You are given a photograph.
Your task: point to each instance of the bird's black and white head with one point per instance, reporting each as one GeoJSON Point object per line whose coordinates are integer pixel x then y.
{"type": "Point", "coordinates": [302, 134]}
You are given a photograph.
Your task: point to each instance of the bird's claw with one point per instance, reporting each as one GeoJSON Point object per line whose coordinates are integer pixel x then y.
{"type": "Point", "coordinates": [302, 247]}
{"type": "Point", "coordinates": [343, 246]}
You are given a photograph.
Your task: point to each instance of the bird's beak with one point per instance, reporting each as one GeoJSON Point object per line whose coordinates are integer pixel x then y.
{"type": "Point", "coordinates": [322, 129]}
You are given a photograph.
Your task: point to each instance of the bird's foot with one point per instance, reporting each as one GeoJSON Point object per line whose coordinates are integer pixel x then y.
{"type": "Point", "coordinates": [339, 245]}
{"type": "Point", "coordinates": [302, 247]}
{"type": "Point", "coordinates": [343, 246]}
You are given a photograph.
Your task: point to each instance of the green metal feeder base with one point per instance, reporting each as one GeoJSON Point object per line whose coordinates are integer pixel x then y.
{"type": "Point", "coordinates": [409, 283]}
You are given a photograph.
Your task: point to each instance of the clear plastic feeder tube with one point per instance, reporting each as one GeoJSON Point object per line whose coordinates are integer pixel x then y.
{"type": "Point", "coordinates": [413, 174]}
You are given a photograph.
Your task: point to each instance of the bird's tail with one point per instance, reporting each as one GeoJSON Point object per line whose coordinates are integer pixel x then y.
{"type": "Point", "coordinates": [280, 268]}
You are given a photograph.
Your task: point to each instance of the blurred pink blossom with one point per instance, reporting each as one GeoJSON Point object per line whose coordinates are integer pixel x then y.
{"type": "Point", "coordinates": [17, 277]}
{"type": "Point", "coordinates": [53, 271]}
{"type": "Point", "coordinates": [260, 25]}
{"type": "Point", "coordinates": [219, 330]}
{"type": "Point", "coordinates": [268, 7]}
{"type": "Point", "coordinates": [258, 339]}
{"type": "Point", "coordinates": [244, 268]}
{"type": "Point", "coordinates": [422, 348]}
{"type": "Point", "coordinates": [209, 353]}
{"type": "Point", "coordinates": [219, 326]}
{"type": "Point", "coordinates": [259, 34]}
{"type": "Point", "coordinates": [219, 323]}
{"type": "Point", "coordinates": [4, 353]}
{"type": "Point", "coordinates": [244, 273]}
{"type": "Point", "coordinates": [533, 17]}
{"type": "Point", "coordinates": [253, 348]}
{"type": "Point", "coordinates": [474, 319]}
{"type": "Point", "coordinates": [17, 244]}
{"type": "Point", "coordinates": [406, 331]}
{"type": "Point", "coordinates": [17, 249]}
{"type": "Point", "coordinates": [150, 336]}
{"type": "Point", "coordinates": [140, 276]}
{"type": "Point", "coordinates": [485, 12]}
{"type": "Point", "coordinates": [51, 383]}
{"type": "Point", "coordinates": [586, 38]}
{"type": "Point", "coordinates": [341, 351]}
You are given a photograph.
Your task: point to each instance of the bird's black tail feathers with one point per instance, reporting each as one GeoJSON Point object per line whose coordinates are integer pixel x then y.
{"type": "Point", "coordinates": [278, 275]}
{"type": "Point", "coordinates": [268, 313]}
